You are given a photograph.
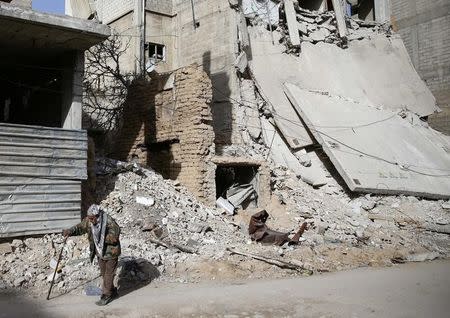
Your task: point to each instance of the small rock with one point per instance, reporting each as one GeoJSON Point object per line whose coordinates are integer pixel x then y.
{"type": "Point", "coordinates": [19, 281]}
{"type": "Point", "coordinates": [446, 205]}
{"type": "Point", "coordinates": [368, 205]}
{"type": "Point", "coordinates": [5, 248]}
{"type": "Point", "coordinates": [319, 35]}
{"type": "Point", "coordinates": [147, 201]}
{"type": "Point", "coordinates": [16, 244]}
{"type": "Point", "coordinates": [359, 233]}
{"type": "Point", "coordinates": [422, 257]}
{"type": "Point", "coordinates": [303, 28]}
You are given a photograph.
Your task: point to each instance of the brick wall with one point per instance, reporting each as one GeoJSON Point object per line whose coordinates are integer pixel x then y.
{"type": "Point", "coordinates": [425, 28]}
{"type": "Point", "coordinates": [170, 129]}
{"type": "Point", "coordinates": [213, 44]}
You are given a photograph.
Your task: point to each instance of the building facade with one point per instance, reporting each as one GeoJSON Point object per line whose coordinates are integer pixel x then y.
{"type": "Point", "coordinates": [425, 30]}
{"type": "Point", "coordinates": [43, 150]}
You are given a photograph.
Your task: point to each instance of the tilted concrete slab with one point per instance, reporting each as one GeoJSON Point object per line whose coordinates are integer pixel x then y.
{"type": "Point", "coordinates": [282, 156]}
{"type": "Point", "coordinates": [270, 68]}
{"type": "Point", "coordinates": [375, 72]}
{"type": "Point", "coordinates": [375, 150]}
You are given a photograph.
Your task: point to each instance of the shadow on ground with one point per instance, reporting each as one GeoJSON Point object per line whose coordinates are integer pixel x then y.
{"type": "Point", "coordinates": [134, 273]}
{"type": "Point", "coordinates": [13, 305]}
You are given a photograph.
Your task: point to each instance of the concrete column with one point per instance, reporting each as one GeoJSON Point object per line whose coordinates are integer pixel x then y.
{"type": "Point", "coordinates": [73, 94]}
{"type": "Point", "coordinates": [382, 10]}
{"type": "Point", "coordinates": [139, 26]}
{"type": "Point", "coordinates": [323, 6]}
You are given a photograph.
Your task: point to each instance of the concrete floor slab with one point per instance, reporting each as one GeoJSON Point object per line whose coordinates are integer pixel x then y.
{"type": "Point", "coordinates": [375, 150]}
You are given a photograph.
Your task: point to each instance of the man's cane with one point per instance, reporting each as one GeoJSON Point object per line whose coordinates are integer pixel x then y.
{"type": "Point", "coordinates": [56, 268]}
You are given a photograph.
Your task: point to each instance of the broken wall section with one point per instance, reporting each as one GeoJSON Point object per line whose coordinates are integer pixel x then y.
{"type": "Point", "coordinates": [167, 125]}
{"type": "Point", "coordinates": [184, 137]}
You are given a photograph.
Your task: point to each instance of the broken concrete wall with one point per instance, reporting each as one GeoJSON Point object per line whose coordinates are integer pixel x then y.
{"type": "Point", "coordinates": [425, 28]}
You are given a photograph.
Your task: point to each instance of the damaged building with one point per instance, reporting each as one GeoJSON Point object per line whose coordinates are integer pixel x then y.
{"type": "Point", "coordinates": [43, 149]}
{"type": "Point", "coordinates": [317, 87]}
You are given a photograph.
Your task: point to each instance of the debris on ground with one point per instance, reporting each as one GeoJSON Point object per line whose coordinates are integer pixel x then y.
{"type": "Point", "coordinates": [178, 239]}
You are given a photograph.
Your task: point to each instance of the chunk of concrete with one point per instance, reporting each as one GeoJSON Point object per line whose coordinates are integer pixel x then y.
{"type": "Point", "coordinates": [303, 28]}
{"type": "Point", "coordinates": [148, 201]}
{"type": "Point", "coordinates": [241, 62]}
{"type": "Point", "coordinates": [5, 248]}
{"type": "Point", "coordinates": [270, 68]}
{"type": "Point", "coordinates": [320, 35]}
{"type": "Point", "coordinates": [282, 156]}
{"type": "Point", "coordinates": [292, 22]}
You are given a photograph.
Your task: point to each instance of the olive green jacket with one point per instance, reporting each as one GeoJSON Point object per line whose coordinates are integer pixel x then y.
{"type": "Point", "coordinates": [111, 248]}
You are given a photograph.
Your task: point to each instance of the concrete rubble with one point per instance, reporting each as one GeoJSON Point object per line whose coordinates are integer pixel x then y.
{"type": "Point", "coordinates": [344, 232]}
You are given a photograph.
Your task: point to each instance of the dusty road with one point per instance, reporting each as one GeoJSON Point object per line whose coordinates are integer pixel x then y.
{"type": "Point", "coordinates": [412, 290]}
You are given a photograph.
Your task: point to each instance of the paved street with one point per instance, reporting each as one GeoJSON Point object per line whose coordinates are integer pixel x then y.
{"type": "Point", "coordinates": [411, 290]}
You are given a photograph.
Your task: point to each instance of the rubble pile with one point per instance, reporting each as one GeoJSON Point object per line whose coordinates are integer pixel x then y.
{"type": "Point", "coordinates": [147, 208]}
{"type": "Point", "coordinates": [168, 234]}
{"type": "Point", "coordinates": [316, 26]}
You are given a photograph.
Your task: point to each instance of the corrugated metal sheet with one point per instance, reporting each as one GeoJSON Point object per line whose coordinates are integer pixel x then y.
{"type": "Point", "coordinates": [36, 205]}
{"type": "Point", "coordinates": [40, 178]}
{"type": "Point", "coordinates": [43, 152]}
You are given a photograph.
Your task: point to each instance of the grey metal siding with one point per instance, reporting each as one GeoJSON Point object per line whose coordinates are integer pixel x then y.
{"type": "Point", "coordinates": [40, 178]}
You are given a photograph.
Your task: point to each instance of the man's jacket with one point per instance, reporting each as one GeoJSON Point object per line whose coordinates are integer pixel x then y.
{"type": "Point", "coordinates": [111, 248]}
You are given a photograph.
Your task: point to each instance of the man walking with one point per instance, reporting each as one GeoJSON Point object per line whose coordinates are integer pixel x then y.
{"type": "Point", "coordinates": [103, 234]}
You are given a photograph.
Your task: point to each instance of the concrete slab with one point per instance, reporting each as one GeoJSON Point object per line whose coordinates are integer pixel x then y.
{"type": "Point", "coordinates": [25, 28]}
{"type": "Point", "coordinates": [376, 150]}
{"type": "Point", "coordinates": [375, 72]}
{"type": "Point", "coordinates": [270, 68]}
{"type": "Point", "coordinates": [282, 156]}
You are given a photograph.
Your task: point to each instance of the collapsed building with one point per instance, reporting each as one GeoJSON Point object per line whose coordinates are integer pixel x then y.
{"type": "Point", "coordinates": [43, 149]}
{"type": "Point", "coordinates": [278, 70]}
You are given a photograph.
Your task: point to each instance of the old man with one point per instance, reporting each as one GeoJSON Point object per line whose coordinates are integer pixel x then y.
{"type": "Point", "coordinates": [103, 234]}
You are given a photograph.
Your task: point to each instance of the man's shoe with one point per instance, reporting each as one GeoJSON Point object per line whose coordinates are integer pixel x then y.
{"type": "Point", "coordinates": [115, 293]}
{"type": "Point", "coordinates": [104, 301]}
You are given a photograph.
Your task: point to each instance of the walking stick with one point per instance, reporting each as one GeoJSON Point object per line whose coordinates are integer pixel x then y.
{"type": "Point", "coordinates": [56, 268]}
